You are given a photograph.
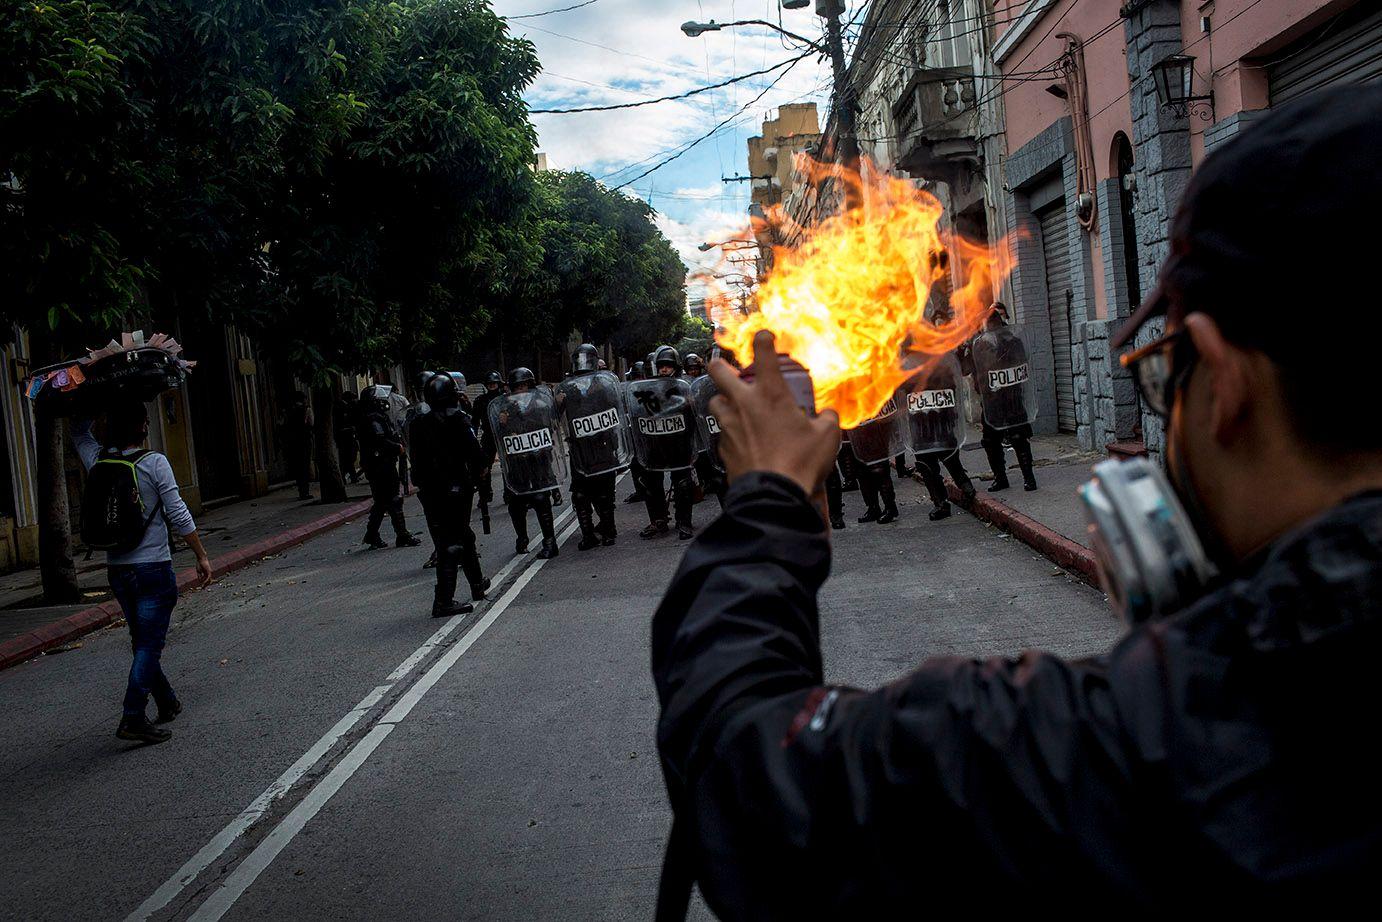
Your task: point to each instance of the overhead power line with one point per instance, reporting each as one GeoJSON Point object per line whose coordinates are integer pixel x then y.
{"type": "Point", "coordinates": [565, 9]}
{"type": "Point", "coordinates": [742, 109]}
{"type": "Point", "coordinates": [660, 99]}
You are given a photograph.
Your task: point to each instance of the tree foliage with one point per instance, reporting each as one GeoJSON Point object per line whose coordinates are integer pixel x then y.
{"type": "Point", "coordinates": [606, 270]}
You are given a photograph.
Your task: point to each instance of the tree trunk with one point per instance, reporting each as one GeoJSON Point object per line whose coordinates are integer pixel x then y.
{"type": "Point", "coordinates": [333, 488]}
{"type": "Point", "coordinates": [56, 566]}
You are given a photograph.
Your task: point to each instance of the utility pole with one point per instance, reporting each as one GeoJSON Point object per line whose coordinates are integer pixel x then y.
{"type": "Point", "coordinates": [848, 141]}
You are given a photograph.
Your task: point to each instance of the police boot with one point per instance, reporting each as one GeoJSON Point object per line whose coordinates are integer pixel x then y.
{"type": "Point", "coordinates": [402, 537]}
{"type": "Point", "coordinates": [961, 478]}
{"type": "Point", "coordinates": [444, 603]}
{"type": "Point", "coordinates": [585, 516]}
{"type": "Point", "coordinates": [608, 531]}
{"type": "Point", "coordinates": [519, 516]}
{"type": "Point", "coordinates": [1023, 449]}
{"type": "Point", "coordinates": [999, 463]}
{"type": "Point", "coordinates": [470, 562]}
{"type": "Point", "coordinates": [942, 511]}
{"type": "Point", "coordinates": [549, 536]}
{"type": "Point", "coordinates": [375, 542]}
{"type": "Point", "coordinates": [889, 500]}
{"type": "Point", "coordinates": [870, 492]}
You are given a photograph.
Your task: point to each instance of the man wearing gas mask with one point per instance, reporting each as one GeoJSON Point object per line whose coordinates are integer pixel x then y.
{"type": "Point", "coordinates": [1217, 758]}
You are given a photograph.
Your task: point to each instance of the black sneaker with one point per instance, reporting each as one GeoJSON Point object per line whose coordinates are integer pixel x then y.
{"type": "Point", "coordinates": [999, 485]}
{"type": "Point", "coordinates": [549, 550]}
{"type": "Point", "coordinates": [1030, 485]}
{"type": "Point", "coordinates": [139, 730]}
{"type": "Point", "coordinates": [375, 542]}
{"type": "Point", "coordinates": [452, 608]}
{"type": "Point", "coordinates": [608, 540]}
{"type": "Point", "coordinates": [654, 530]}
{"type": "Point", "coordinates": [940, 512]}
{"type": "Point", "coordinates": [870, 516]}
{"type": "Point", "coordinates": [888, 517]}
{"type": "Point", "coordinates": [167, 715]}
{"type": "Point", "coordinates": [478, 590]}
{"type": "Point", "coordinates": [588, 542]}
{"type": "Point", "coordinates": [520, 546]}
{"type": "Point", "coordinates": [407, 541]}
{"type": "Point", "coordinates": [685, 532]}
{"type": "Point", "coordinates": [837, 522]}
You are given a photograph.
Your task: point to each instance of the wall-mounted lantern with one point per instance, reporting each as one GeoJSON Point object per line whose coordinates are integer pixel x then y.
{"type": "Point", "coordinates": [1174, 76]}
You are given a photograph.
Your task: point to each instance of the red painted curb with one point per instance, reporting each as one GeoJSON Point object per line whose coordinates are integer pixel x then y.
{"type": "Point", "coordinates": [46, 637]}
{"type": "Point", "coordinates": [1063, 552]}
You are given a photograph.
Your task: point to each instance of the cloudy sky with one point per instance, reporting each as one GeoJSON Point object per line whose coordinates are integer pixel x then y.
{"type": "Point", "coordinates": [616, 51]}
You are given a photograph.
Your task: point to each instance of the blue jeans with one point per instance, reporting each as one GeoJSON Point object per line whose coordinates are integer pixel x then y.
{"type": "Point", "coordinates": [147, 593]}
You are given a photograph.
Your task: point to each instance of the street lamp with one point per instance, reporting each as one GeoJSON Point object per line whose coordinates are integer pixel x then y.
{"type": "Point", "coordinates": [709, 245]}
{"type": "Point", "coordinates": [695, 29]}
{"type": "Point", "coordinates": [1174, 76]}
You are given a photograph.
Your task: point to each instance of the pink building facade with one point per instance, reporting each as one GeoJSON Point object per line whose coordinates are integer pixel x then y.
{"type": "Point", "coordinates": [1095, 163]}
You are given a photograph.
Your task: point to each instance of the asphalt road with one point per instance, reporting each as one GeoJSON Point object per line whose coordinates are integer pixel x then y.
{"type": "Point", "coordinates": [342, 755]}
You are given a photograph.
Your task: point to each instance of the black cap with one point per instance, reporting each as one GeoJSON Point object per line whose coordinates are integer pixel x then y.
{"type": "Point", "coordinates": [1275, 228]}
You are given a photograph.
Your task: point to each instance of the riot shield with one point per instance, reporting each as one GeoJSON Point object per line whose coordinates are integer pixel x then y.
{"type": "Point", "coordinates": [662, 415]}
{"type": "Point", "coordinates": [936, 409]}
{"type": "Point", "coordinates": [592, 414]}
{"type": "Point", "coordinates": [703, 390]}
{"type": "Point", "coordinates": [879, 438]}
{"type": "Point", "coordinates": [525, 434]}
{"type": "Point", "coordinates": [1002, 376]}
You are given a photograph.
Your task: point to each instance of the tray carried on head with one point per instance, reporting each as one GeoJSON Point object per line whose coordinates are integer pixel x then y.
{"type": "Point", "coordinates": [131, 369]}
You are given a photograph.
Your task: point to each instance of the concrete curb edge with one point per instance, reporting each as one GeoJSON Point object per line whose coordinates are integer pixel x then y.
{"type": "Point", "coordinates": [1059, 549]}
{"type": "Point", "coordinates": [27, 646]}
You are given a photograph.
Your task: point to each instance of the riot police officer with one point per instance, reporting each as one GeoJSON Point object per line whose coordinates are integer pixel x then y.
{"type": "Point", "coordinates": [711, 478]}
{"type": "Point", "coordinates": [381, 447]}
{"type": "Point", "coordinates": [637, 372]}
{"type": "Point", "coordinates": [667, 364]}
{"type": "Point", "coordinates": [589, 402]}
{"type": "Point", "coordinates": [523, 381]}
{"type": "Point", "coordinates": [494, 387]}
{"type": "Point", "coordinates": [1014, 426]}
{"type": "Point", "coordinates": [936, 430]}
{"type": "Point", "coordinates": [447, 461]}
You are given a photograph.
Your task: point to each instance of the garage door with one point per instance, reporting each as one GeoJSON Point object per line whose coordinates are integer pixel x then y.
{"type": "Point", "coordinates": [1347, 49]}
{"type": "Point", "coordinates": [1056, 246]}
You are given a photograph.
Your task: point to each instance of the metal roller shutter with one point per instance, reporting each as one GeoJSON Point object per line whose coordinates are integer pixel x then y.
{"type": "Point", "coordinates": [1347, 49]}
{"type": "Point", "coordinates": [1055, 244]}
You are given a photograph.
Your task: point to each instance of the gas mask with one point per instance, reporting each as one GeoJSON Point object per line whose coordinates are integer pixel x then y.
{"type": "Point", "coordinates": [1151, 559]}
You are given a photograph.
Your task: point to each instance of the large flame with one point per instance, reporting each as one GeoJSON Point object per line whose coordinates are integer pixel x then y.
{"type": "Point", "coordinates": [848, 299]}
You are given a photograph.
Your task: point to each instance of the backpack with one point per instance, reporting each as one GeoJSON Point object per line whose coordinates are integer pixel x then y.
{"type": "Point", "coordinates": [113, 514]}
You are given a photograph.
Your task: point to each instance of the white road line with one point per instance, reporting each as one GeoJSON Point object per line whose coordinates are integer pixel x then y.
{"type": "Point", "coordinates": [244, 876]}
{"type": "Point", "coordinates": [237, 827]}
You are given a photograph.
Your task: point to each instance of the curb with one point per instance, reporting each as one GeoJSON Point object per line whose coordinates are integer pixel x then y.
{"type": "Point", "coordinates": [1059, 549]}
{"type": "Point", "coordinates": [26, 646]}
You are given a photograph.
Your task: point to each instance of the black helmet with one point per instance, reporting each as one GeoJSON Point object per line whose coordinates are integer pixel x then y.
{"type": "Point", "coordinates": [586, 358]}
{"type": "Point", "coordinates": [666, 355]}
{"type": "Point", "coordinates": [520, 376]}
{"type": "Point", "coordinates": [693, 360]}
{"type": "Point", "coordinates": [376, 396]}
{"type": "Point", "coordinates": [639, 371]}
{"type": "Point", "coordinates": [459, 379]}
{"type": "Point", "coordinates": [423, 377]}
{"type": "Point", "coordinates": [441, 393]}
{"type": "Point", "coordinates": [494, 377]}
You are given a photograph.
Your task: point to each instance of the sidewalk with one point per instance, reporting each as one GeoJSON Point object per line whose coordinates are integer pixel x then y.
{"type": "Point", "coordinates": [1049, 519]}
{"type": "Point", "coordinates": [233, 534]}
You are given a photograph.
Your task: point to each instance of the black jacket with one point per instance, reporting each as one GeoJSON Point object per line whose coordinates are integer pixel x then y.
{"type": "Point", "coordinates": [381, 445]}
{"type": "Point", "coordinates": [1221, 756]}
{"type": "Point", "coordinates": [446, 455]}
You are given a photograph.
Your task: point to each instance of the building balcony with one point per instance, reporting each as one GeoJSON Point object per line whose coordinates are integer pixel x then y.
{"type": "Point", "coordinates": [936, 122]}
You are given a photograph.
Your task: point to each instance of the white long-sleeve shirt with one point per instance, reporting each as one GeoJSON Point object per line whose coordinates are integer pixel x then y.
{"type": "Point", "coordinates": [156, 484]}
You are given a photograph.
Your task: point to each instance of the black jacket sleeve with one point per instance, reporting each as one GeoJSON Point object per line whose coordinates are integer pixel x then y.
{"type": "Point", "coordinates": [808, 801]}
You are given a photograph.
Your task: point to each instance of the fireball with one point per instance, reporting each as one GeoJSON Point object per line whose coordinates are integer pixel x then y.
{"type": "Point", "coordinates": [848, 300]}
